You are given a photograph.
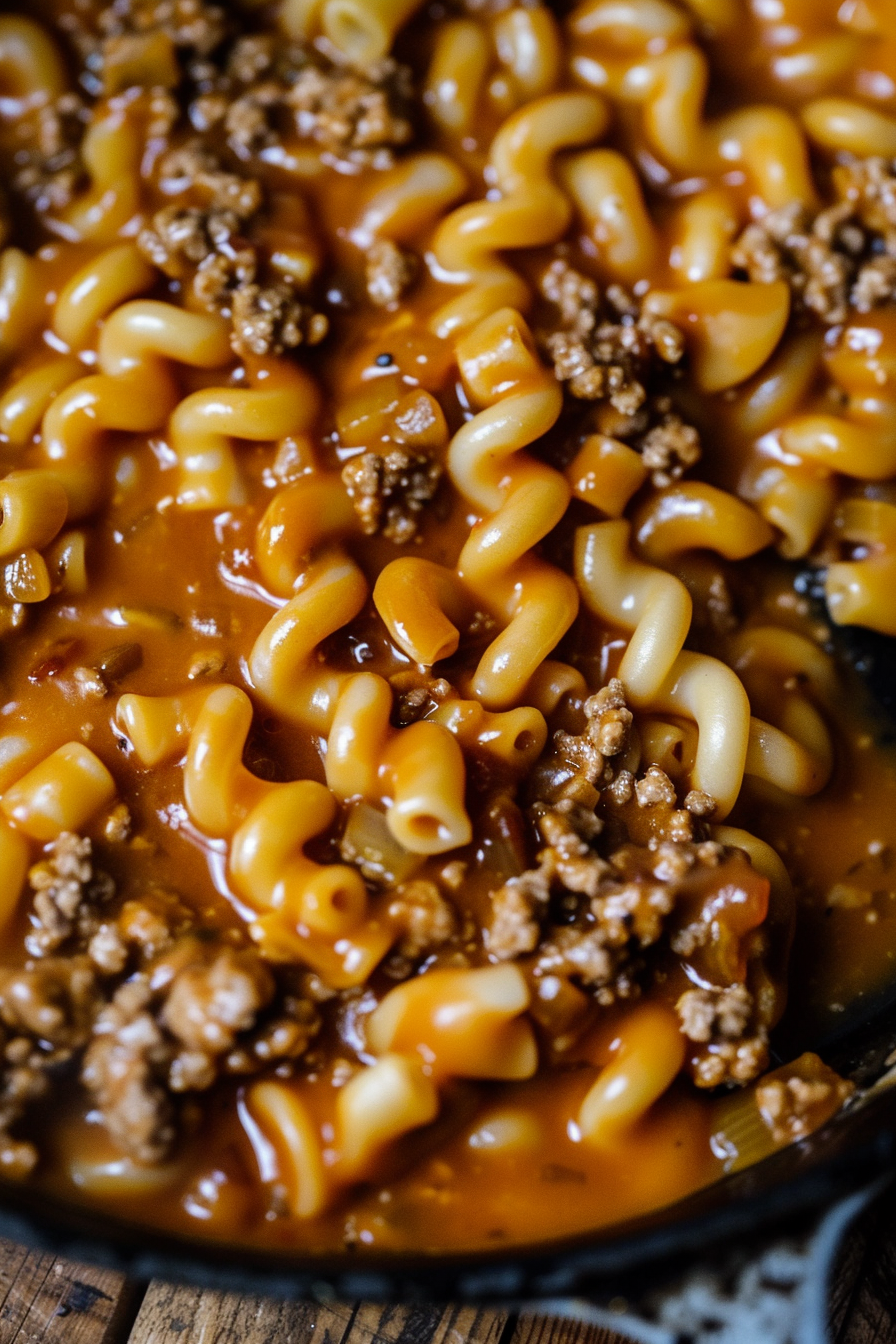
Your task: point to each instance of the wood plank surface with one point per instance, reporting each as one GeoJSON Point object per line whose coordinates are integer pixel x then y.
{"type": "Point", "coordinates": [170, 1315]}
{"type": "Point", "coordinates": [866, 1312]}
{"type": "Point", "coordinates": [175, 1315]}
{"type": "Point", "coordinates": [45, 1300]}
{"type": "Point", "coordinates": [551, 1330]}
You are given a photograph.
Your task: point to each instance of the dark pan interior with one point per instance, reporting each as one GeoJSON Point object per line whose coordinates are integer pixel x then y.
{"type": "Point", "coordinates": [781, 1193]}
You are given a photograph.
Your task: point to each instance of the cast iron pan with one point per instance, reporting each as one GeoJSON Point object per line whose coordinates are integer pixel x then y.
{"type": "Point", "coordinates": [787, 1193]}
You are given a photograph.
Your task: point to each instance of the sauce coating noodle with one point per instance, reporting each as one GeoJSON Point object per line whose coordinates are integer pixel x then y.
{"type": "Point", "coordinates": [437, 443]}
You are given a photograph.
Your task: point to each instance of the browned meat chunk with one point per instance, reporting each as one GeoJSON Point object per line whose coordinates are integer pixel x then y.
{"type": "Point", "coordinates": [709, 1013]}
{"type": "Point", "coordinates": [839, 260]}
{"type": "Point", "coordinates": [68, 896]}
{"type": "Point", "coordinates": [181, 238]}
{"type": "Point", "coordinates": [124, 1070]}
{"type": "Point", "coordinates": [196, 1013]}
{"type": "Point", "coordinates": [609, 352]}
{"type": "Point", "coordinates": [389, 490]}
{"type": "Point", "coordinates": [390, 272]}
{"type": "Point", "coordinates": [725, 1021]}
{"type": "Point", "coordinates": [207, 244]}
{"type": "Point", "coordinates": [270, 319]}
{"type": "Point", "coordinates": [50, 167]}
{"type": "Point", "coordinates": [607, 723]}
{"type": "Point", "coordinates": [54, 1001]}
{"type": "Point", "coordinates": [426, 919]}
{"type": "Point", "coordinates": [798, 1098]}
{"type": "Point", "coordinates": [352, 115]}
{"type": "Point", "coordinates": [205, 1009]}
{"type": "Point", "coordinates": [270, 92]}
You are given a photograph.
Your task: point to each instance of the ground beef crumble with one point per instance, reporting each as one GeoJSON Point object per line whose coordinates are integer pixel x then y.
{"type": "Point", "coordinates": [389, 490]}
{"type": "Point", "coordinates": [724, 1019]}
{"type": "Point", "coordinates": [53, 1000]}
{"type": "Point", "coordinates": [418, 692]}
{"type": "Point", "coordinates": [49, 169]}
{"type": "Point", "coordinates": [207, 244]}
{"type": "Point", "coordinates": [123, 1071]}
{"type": "Point", "coordinates": [178, 1026]}
{"type": "Point", "coordinates": [567, 821]}
{"type": "Point", "coordinates": [47, 1009]}
{"type": "Point", "coordinates": [269, 90]}
{"type": "Point", "coordinates": [625, 877]}
{"type": "Point", "coordinates": [427, 920]}
{"type": "Point", "coordinates": [194, 27]}
{"type": "Point", "coordinates": [191, 1008]}
{"type": "Point", "coordinates": [798, 1098]}
{"type": "Point", "coordinates": [390, 272]}
{"type": "Point", "coordinates": [841, 259]}
{"type": "Point", "coordinates": [150, 44]}
{"type": "Point", "coordinates": [357, 116]}
{"type": "Point", "coordinates": [68, 896]}
{"type": "Point", "coordinates": [271, 319]}
{"type": "Point", "coordinates": [609, 352]}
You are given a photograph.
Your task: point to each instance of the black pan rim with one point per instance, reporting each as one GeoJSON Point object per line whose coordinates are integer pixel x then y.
{"type": "Point", "coordinates": [788, 1191]}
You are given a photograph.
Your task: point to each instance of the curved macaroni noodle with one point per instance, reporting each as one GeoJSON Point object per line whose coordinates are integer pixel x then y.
{"type": "Point", "coordinates": [409, 417]}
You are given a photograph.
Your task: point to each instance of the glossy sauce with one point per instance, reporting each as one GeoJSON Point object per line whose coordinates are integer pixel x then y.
{"type": "Point", "coordinates": [183, 585]}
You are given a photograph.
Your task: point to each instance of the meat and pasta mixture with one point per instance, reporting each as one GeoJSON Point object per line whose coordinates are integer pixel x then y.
{"type": "Point", "coordinates": [439, 442]}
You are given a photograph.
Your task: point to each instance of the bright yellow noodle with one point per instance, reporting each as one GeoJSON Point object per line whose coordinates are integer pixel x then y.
{"type": "Point", "coordinates": [408, 199]}
{"type": "Point", "coordinates": [520, 499]}
{"type": "Point", "coordinates": [417, 772]}
{"type": "Point", "coordinates": [491, 65]}
{"type": "Point", "coordinates": [378, 1105]}
{"type": "Point", "coordinates": [642, 54]}
{"type": "Point", "coordinates": [135, 389]}
{"type": "Point", "coordinates": [111, 151]}
{"type": "Point", "coordinates": [463, 1023]}
{"type": "Point", "coordinates": [646, 1056]}
{"type": "Point", "coordinates": [25, 402]}
{"type": "Point", "coordinates": [287, 1127]}
{"type": "Point", "coordinates": [531, 211]}
{"type": "Point", "coordinates": [60, 793]}
{"type": "Point", "coordinates": [364, 30]}
{"type": "Point", "coordinates": [116, 274]}
{"type": "Point", "coordinates": [657, 675]}
{"type": "Point", "coordinates": [692, 515]}
{"type": "Point", "coordinates": [861, 591]}
{"type": "Point", "coordinates": [32, 72]}
{"type": "Point", "coordinates": [282, 401]}
{"type": "Point", "coordinates": [844, 125]}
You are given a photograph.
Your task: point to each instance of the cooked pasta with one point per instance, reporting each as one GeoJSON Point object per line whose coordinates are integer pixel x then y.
{"type": "Point", "coordinates": [438, 447]}
{"type": "Point", "coordinates": [521, 503]}
{"type": "Point", "coordinates": [859, 592]}
{"type": "Point", "coordinates": [531, 210]}
{"type": "Point", "coordinates": [134, 391]}
{"type": "Point", "coordinates": [650, 59]}
{"type": "Point", "coordinates": [33, 70]}
{"type": "Point", "coordinates": [117, 274]}
{"type": "Point", "coordinates": [481, 65]}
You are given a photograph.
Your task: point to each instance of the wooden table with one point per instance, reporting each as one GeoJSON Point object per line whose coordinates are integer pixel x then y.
{"type": "Point", "coordinates": [43, 1298]}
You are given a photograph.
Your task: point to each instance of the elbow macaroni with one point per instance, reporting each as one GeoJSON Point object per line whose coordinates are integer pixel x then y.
{"type": "Point", "coordinates": [410, 674]}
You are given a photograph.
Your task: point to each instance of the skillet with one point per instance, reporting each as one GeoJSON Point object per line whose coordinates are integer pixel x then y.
{"type": "Point", "coordinates": [793, 1204]}
{"type": "Point", "coordinates": [743, 1260]}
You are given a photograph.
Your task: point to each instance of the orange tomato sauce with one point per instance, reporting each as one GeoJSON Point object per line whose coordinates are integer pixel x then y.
{"type": "Point", "coordinates": [185, 586]}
